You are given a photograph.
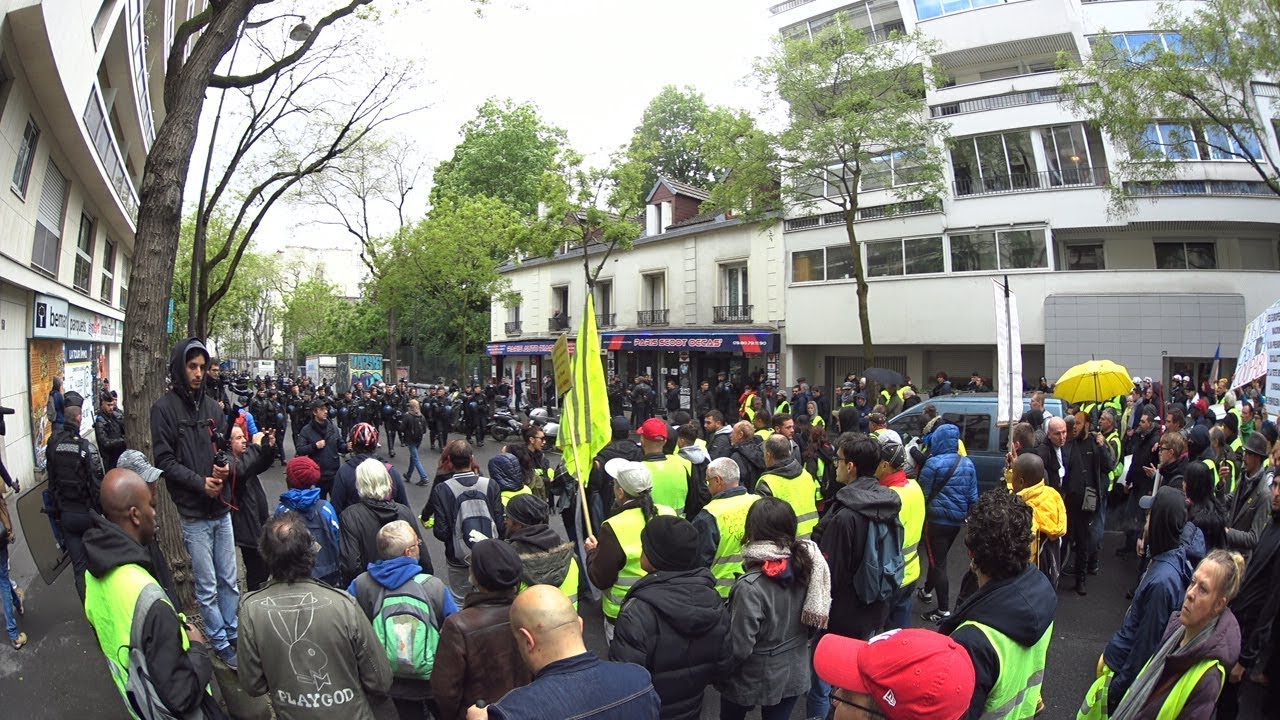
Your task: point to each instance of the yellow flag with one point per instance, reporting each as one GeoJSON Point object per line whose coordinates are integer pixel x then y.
{"type": "Point", "coordinates": [584, 422]}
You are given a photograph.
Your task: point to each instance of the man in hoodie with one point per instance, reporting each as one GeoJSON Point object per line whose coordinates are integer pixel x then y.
{"type": "Point", "coordinates": [1007, 624]}
{"type": "Point", "coordinates": [321, 440]}
{"type": "Point", "coordinates": [672, 475]}
{"type": "Point", "coordinates": [693, 449]}
{"type": "Point", "coordinates": [722, 523]}
{"type": "Point", "coordinates": [748, 453]}
{"type": "Point", "coordinates": [184, 423]}
{"type": "Point", "coordinates": [547, 558]}
{"type": "Point", "coordinates": [474, 505]}
{"type": "Point", "coordinates": [1048, 513]}
{"type": "Point", "coordinates": [308, 644]}
{"type": "Point", "coordinates": [399, 573]}
{"type": "Point", "coordinates": [719, 435]}
{"type": "Point", "coordinates": [673, 622]}
{"type": "Point", "coordinates": [786, 479]}
{"type": "Point", "coordinates": [600, 485]}
{"type": "Point", "coordinates": [303, 497]}
{"type": "Point", "coordinates": [120, 584]}
{"type": "Point", "coordinates": [891, 474]}
{"type": "Point", "coordinates": [364, 443]}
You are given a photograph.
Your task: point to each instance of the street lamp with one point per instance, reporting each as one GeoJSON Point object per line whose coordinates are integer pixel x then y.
{"type": "Point", "coordinates": [299, 33]}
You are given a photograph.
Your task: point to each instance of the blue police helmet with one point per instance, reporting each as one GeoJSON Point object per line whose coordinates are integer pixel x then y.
{"type": "Point", "coordinates": [280, 417]}
{"type": "Point", "coordinates": [387, 410]}
{"type": "Point", "coordinates": [342, 411]}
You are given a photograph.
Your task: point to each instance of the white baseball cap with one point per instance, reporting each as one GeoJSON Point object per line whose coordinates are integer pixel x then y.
{"type": "Point", "coordinates": [633, 477]}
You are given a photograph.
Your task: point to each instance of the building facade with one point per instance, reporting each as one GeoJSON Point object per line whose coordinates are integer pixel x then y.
{"type": "Point", "coordinates": [81, 86]}
{"type": "Point", "coordinates": [1158, 289]}
{"type": "Point", "coordinates": [697, 294]}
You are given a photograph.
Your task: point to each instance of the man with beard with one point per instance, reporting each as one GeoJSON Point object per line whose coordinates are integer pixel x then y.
{"type": "Point", "coordinates": [321, 442]}
{"type": "Point", "coordinates": [1087, 462]}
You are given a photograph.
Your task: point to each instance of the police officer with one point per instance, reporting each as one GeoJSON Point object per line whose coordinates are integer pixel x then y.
{"type": "Point", "coordinates": [75, 479]}
{"type": "Point", "coordinates": [392, 412]}
{"type": "Point", "coordinates": [108, 428]}
{"type": "Point", "coordinates": [476, 414]}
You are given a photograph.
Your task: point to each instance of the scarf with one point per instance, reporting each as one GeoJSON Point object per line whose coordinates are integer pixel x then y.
{"type": "Point", "coordinates": [774, 559]}
{"type": "Point", "coordinates": [1146, 683]}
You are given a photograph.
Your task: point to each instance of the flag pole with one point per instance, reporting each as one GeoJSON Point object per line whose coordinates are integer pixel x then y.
{"type": "Point", "coordinates": [586, 418]}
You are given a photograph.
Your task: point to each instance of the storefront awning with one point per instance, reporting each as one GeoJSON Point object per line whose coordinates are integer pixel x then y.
{"type": "Point", "coordinates": [523, 347]}
{"type": "Point", "coordinates": [751, 342]}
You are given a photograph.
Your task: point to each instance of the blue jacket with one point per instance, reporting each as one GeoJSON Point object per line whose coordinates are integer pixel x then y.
{"type": "Point", "coordinates": [1158, 596]}
{"type": "Point", "coordinates": [952, 504]}
{"type": "Point", "coordinates": [397, 571]}
{"type": "Point", "coordinates": [582, 686]}
{"type": "Point", "coordinates": [322, 521]}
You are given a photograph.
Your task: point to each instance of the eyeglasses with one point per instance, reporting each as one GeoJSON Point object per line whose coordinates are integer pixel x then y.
{"type": "Point", "coordinates": [874, 712]}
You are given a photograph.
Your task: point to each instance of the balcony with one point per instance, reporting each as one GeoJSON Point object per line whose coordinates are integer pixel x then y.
{"type": "Point", "coordinates": [788, 5]}
{"type": "Point", "coordinates": [604, 320]}
{"type": "Point", "coordinates": [881, 33]}
{"type": "Point", "coordinates": [651, 318]}
{"type": "Point", "coordinates": [733, 313]}
{"type": "Point", "coordinates": [512, 328]}
{"type": "Point", "coordinates": [559, 323]}
{"type": "Point", "coordinates": [1030, 182]}
{"type": "Point", "coordinates": [998, 102]}
{"type": "Point", "coordinates": [104, 142]}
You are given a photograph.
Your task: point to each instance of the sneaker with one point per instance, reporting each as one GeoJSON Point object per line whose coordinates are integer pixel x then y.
{"type": "Point", "coordinates": [924, 597]}
{"type": "Point", "coordinates": [228, 657]}
{"type": "Point", "coordinates": [936, 616]}
{"type": "Point", "coordinates": [422, 483]}
{"type": "Point", "coordinates": [20, 641]}
{"type": "Point", "coordinates": [21, 595]}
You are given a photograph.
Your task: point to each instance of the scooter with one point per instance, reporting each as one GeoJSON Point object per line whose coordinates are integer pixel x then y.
{"type": "Point", "coordinates": [549, 423]}
{"type": "Point", "coordinates": [503, 424]}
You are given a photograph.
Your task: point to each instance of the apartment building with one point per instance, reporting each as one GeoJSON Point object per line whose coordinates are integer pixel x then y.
{"type": "Point", "coordinates": [1159, 288]}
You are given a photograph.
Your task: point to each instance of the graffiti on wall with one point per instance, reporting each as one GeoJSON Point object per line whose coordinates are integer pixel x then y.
{"type": "Point", "coordinates": [45, 360]}
{"type": "Point", "coordinates": [366, 370]}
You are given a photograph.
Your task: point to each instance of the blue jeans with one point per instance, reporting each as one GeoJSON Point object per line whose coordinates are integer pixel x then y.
{"type": "Point", "coordinates": [213, 558]}
{"type": "Point", "coordinates": [415, 463]}
{"type": "Point", "coordinates": [900, 608]}
{"type": "Point", "coordinates": [9, 595]}
{"type": "Point", "coordinates": [817, 702]}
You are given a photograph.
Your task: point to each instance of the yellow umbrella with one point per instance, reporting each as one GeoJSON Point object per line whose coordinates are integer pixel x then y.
{"type": "Point", "coordinates": [1093, 381]}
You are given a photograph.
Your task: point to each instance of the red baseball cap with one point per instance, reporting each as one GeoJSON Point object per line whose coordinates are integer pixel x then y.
{"type": "Point", "coordinates": [910, 673]}
{"type": "Point", "coordinates": [654, 429]}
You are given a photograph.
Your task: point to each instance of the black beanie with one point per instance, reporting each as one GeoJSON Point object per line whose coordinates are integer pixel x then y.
{"type": "Point", "coordinates": [528, 509]}
{"type": "Point", "coordinates": [670, 543]}
{"type": "Point", "coordinates": [495, 565]}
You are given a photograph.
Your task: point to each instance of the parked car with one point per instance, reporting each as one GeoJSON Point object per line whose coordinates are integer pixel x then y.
{"type": "Point", "coordinates": [975, 413]}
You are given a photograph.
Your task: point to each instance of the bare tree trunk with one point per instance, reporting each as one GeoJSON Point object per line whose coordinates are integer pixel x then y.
{"type": "Point", "coordinates": [860, 275]}
{"type": "Point", "coordinates": [393, 345]}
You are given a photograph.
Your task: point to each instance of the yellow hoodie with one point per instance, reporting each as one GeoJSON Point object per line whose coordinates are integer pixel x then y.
{"type": "Point", "coordinates": [1048, 514]}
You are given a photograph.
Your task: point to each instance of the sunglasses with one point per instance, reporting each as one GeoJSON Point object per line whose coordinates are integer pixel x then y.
{"type": "Point", "coordinates": [875, 712]}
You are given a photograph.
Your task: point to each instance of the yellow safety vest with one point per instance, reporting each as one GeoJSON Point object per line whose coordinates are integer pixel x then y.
{"type": "Point", "coordinates": [1113, 440]}
{"type": "Point", "coordinates": [912, 517]}
{"type": "Point", "coordinates": [1016, 693]}
{"type": "Point", "coordinates": [506, 495]}
{"type": "Point", "coordinates": [764, 433]}
{"type": "Point", "coordinates": [731, 520]}
{"type": "Point", "coordinates": [801, 493]}
{"type": "Point", "coordinates": [570, 585]}
{"type": "Point", "coordinates": [1095, 702]}
{"type": "Point", "coordinates": [782, 407]}
{"type": "Point", "coordinates": [627, 526]}
{"type": "Point", "coordinates": [670, 481]}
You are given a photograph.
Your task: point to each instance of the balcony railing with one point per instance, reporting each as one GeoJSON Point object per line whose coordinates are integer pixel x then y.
{"type": "Point", "coordinates": [512, 328]}
{"type": "Point", "coordinates": [733, 313]}
{"type": "Point", "coordinates": [997, 102]}
{"type": "Point", "coordinates": [649, 318]}
{"type": "Point", "coordinates": [604, 320]}
{"type": "Point", "coordinates": [558, 323]}
{"type": "Point", "coordinates": [788, 5]}
{"type": "Point", "coordinates": [104, 142]}
{"type": "Point", "coordinates": [881, 32]}
{"type": "Point", "coordinates": [1028, 182]}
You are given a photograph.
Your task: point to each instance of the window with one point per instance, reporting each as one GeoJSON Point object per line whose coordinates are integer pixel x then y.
{"type": "Point", "coordinates": [1175, 141]}
{"type": "Point", "coordinates": [513, 313]}
{"type": "Point", "coordinates": [108, 271]}
{"type": "Point", "coordinates": [604, 297]}
{"type": "Point", "coordinates": [999, 250]}
{"type": "Point", "coordinates": [900, 167]}
{"type": "Point", "coordinates": [84, 254]}
{"type": "Point", "coordinates": [26, 156]}
{"type": "Point", "coordinates": [126, 269]}
{"type": "Point", "coordinates": [1084, 256]}
{"type": "Point", "coordinates": [994, 163]}
{"type": "Point", "coordinates": [1222, 146]}
{"type": "Point", "coordinates": [560, 299]}
{"type": "Point", "coordinates": [808, 266]}
{"type": "Point", "coordinates": [49, 218]}
{"type": "Point", "coordinates": [839, 262]}
{"type": "Point", "coordinates": [1137, 47]}
{"type": "Point", "coordinates": [884, 258]}
{"type": "Point", "coordinates": [926, 9]}
{"type": "Point", "coordinates": [1180, 255]}
{"type": "Point", "coordinates": [735, 285]}
{"type": "Point", "coordinates": [1067, 153]}
{"type": "Point", "coordinates": [654, 289]}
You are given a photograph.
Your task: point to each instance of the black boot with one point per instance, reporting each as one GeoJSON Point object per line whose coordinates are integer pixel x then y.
{"type": "Point", "coordinates": [1080, 589]}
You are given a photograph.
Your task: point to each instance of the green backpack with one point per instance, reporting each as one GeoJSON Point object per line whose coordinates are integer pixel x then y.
{"type": "Point", "coordinates": [407, 623]}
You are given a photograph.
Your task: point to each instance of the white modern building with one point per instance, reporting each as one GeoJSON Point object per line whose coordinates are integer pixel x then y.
{"type": "Point", "coordinates": [1157, 289]}
{"type": "Point", "coordinates": [696, 295]}
{"type": "Point", "coordinates": [81, 85]}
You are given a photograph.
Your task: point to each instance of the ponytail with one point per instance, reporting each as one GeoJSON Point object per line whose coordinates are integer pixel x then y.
{"type": "Point", "coordinates": [1232, 564]}
{"type": "Point", "coordinates": [801, 562]}
{"type": "Point", "coordinates": [646, 505]}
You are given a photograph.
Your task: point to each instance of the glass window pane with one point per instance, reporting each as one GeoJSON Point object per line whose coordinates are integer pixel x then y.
{"type": "Point", "coordinates": [1171, 256]}
{"type": "Point", "coordinates": [807, 186]}
{"type": "Point", "coordinates": [994, 164]}
{"type": "Point", "coordinates": [1022, 160]}
{"type": "Point", "coordinates": [964, 163]}
{"type": "Point", "coordinates": [835, 181]}
{"type": "Point", "coordinates": [926, 9]}
{"type": "Point", "coordinates": [1172, 42]}
{"type": "Point", "coordinates": [1066, 153]}
{"type": "Point", "coordinates": [839, 262]}
{"type": "Point", "coordinates": [1022, 249]}
{"type": "Point", "coordinates": [906, 166]}
{"type": "Point", "coordinates": [807, 266]}
{"type": "Point", "coordinates": [1179, 142]}
{"type": "Point", "coordinates": [1143, 46]}
{"type": "Point", "coordinates": [924, 255]}
{"type": "Point", "coordinates": [1201, 256]}
{"type": "Point", "coordinates": [950, 6]}
{"type": "Point", "coordinates": [884, 258]}
{"type": "Point", "coordinates": [976, 251]}
{"type": "Point", "coordinates": [1085, 257]}
{"type": "Point", "coordinates": [877, 173]}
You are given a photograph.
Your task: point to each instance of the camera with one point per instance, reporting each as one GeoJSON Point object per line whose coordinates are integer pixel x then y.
{"type": "Point", "coordinates": [221, 459]}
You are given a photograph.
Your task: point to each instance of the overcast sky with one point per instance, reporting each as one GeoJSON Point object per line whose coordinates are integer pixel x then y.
{"type": "Point", "coordinates": [591, 67]}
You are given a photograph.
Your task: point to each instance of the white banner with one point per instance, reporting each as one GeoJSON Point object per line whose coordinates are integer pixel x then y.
{"type": "Point", "coordinates": [1260, 357]}
{"type": "Point", "coordinates": [1008, 355]}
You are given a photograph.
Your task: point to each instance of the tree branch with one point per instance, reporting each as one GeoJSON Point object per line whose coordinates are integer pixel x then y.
{"type": "Point", "coordinates": [240, 81]}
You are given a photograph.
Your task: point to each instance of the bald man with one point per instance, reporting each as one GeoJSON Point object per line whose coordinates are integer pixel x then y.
{"type": "Point", "coordinates": [569, 681]}
{"type": "Point", "coordinates": [127, 607]}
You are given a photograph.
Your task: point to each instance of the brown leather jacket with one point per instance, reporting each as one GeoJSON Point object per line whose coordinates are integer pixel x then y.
{"type": "Point", "coordinates": [477, 658]}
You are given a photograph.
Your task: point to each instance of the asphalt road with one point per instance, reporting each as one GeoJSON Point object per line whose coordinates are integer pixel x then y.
{"type": "Point", "coordinates": [61, 673]}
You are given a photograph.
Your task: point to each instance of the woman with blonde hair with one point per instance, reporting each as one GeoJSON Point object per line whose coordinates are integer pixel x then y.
{"type": "Point", "coordinates": [362, 521]}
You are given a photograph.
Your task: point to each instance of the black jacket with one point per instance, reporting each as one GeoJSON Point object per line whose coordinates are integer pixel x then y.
{"type": "Point", "coordinates": [1049, 454]}
{"type": "Point", "coordinates": [1087, 466]}
{"type": "Point", "coordinates": [600, 483]}
{"type": "Point", "coordinates": [750, 458]}
{"type": "Point", "coordinates": [327, 457]}
{"type": "Point", "coordinates": [360, 525]}
{"type": "Point", "coordinates": [412, 428]}
{"type": "Point", "coordinates": [1021, 607]}
{"type": "Point", "coordinates": [250, 498]}
{"type": "Point", "coordinates": [1258, 604]}
{"type": "Point", "coordinates": [345, 494]}
{"type": "Point", "coordinates": [674, 623]}
{"type": "Point", "coordinates": [75, 472]}
{"type": "Point", "coordinates": [179, 676]}
{"type": "Point", "coordinates": [841, 534]}
{"type": "Point", "coordinates": [109, 432]}
{"type": "Point", "coordinates": [182, 438]}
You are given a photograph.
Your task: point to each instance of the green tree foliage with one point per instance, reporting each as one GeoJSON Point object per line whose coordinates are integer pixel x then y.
{"type": "Point", "coordinates": [320, 322]}
{"type": "Point", "coordinates": [1198, 75]}
{"type": "Point", "coordinates": [670, 139]}
{"type": "Point", "coordinates": [853, 104]}
{"type": "Point", "coordinates": [504, 152]}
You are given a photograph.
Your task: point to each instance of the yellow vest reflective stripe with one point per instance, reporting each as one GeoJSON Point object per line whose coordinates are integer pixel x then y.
{"type": "Point", "coordinates": [748, 412]}
{"type": "Point", "coordinates": [819, 422]}
{"type": "Point", "coordinates": [1094, 706]}
{"type": "Point", "coordinates": [1016, 692]}
{"type": "Point", "coordinates": [508, 494]}
{"type": "Point", "coordinates": [731, 521]}
{"type": "Point", "coordinates": [912, 517]}
{"type": "Point", "coordinates": [116, 605]}
{"type": "Point", "coordinates": [801, 493]}
{"type": "Point", "coordinates": [670, 481]}
{"type": "Point", "coordinates": [1113, 440]}
{"type": "Point", "coordinates": [626, 527]}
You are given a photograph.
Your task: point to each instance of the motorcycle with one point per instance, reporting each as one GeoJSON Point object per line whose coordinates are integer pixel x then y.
{"type": "Point", "coordinates": [549, 423]}
{"type": "Point", "coordinates": [502, 424]}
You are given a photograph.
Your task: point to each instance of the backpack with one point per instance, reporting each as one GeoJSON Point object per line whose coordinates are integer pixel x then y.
{"type": "Point", "coordinates": [1049, 560]}
{"type": "Point", "coordinates": [139, 687]}
{"type": "Point", "coordinates": [879, 575]}
{"type": "Point", "coordinates": [406, 622]}
{"type": "Point", "coordinates": [471, 513]}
